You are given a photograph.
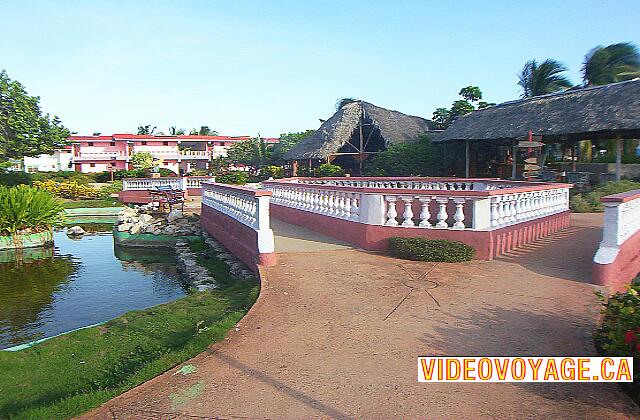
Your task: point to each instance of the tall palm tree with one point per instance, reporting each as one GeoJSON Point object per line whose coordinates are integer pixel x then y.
{"type": "Point", "coordinates": [542, 78]}
{"type": "Point", "coordinates": [174, 131]}
{"type": "Point", "coordinates": [146, 129]}
{"type": "Point", "coordinates": [203, 131]}
{"type": "Point", "coordinates": [614, 63]}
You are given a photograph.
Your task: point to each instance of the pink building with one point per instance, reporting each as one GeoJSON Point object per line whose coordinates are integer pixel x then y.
{"type": "Point", "coordinates": [180, 154]}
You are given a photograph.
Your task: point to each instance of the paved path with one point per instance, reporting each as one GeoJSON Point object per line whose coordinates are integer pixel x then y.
{"type": "Point", "coordinates": [336, 333]}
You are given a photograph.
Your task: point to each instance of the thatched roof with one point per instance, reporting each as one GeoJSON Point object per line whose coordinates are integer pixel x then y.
{"type": "Point", "coordinates": [395, 127]}
{"type": "Point", "coordinates": [600, 112]}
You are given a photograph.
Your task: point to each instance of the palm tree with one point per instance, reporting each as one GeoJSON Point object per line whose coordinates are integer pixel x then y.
{"type": "Point", "coordinates": [542, 78]}
{"type": "Point", "coordinates": [146, 129]}
{"type": "Point", "coordinates": [174, 131]}
{"type": "Point", "coordinates": [614, 63]}
{"type": "Point", "coordinates": [203, 131]}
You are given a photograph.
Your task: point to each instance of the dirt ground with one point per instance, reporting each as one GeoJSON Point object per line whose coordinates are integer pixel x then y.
{"type": "Point", "coordinates": [336, 333]}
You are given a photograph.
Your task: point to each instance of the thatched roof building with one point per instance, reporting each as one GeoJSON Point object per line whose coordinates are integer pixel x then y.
{"type": "Point", "coordinates": [358, 129]}
{"type": "Point", "coordinates": [601, 112]}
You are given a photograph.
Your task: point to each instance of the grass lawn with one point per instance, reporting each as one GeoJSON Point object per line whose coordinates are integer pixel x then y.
{"type": "Point", "coordinates": [70, 374]}
{"type": "Point", "coordinates": [98, 203]}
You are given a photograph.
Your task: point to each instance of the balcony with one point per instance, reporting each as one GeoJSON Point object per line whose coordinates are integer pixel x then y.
{"type": "Point", "coordinates": [89, 156]}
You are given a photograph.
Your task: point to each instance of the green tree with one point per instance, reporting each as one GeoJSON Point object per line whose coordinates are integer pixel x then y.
{"type": "Point", "coordinates": [203, 131]}
{"type": "Point", "coordinates": [146, 129]}
{"type": "Point", "coordinates": [175, 131]}
{"type": "Point", "coordinates": [24, 130]}
{"type": "Point", "coordinates": [407, 159]}
{"type": "Point", "coordinates": [614, 63]}
{"type": "Point", "coordinates": [285, 143]}
{"type": "Point", "coordinates": [340, 103]}
{"type": "Point", "coordinates": [253, 153]}
{"type": "Point", "coordinates": [443, 117]}
{"type": "Point", "coordinates": [142, 160]}
{"type": "Point", "coordinates": [537, 79]}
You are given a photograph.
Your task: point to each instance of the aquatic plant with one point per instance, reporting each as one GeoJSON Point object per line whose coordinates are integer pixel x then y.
{"type": "Point", "coordinates": [27, 208]}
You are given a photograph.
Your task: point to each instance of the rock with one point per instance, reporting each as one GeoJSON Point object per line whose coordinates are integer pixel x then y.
{"type": "Point", "coordinates": [146, 218]}
{"type": "Point", "coordinates": [75, 231]}
{"type": "Point", "coordinates": [124, 227]}
{"type": "Point", "coordinates": [174, 214]}
{"type": "Point", "coordinates": [135, 229]}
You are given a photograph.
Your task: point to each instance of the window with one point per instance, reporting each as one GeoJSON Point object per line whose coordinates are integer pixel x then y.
{"type": "Point", "coordinates": [165, 143]}
{"type": "Point", "coordinates": [90, 143]}
{"type": "Point", "coordinates": [113, 143]}
{"type": "Point", "coordinates": [144, 143]}
{"type": "Point", "coordinates": [92, 165]}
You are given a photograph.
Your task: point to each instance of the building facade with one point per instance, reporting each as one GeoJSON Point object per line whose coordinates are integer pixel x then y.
{"type": "Point", "coordinates": [59, 160]}
{"type": "Point", "coordinates": [180, 154]}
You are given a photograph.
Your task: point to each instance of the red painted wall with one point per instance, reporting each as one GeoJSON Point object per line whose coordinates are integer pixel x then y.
{"type": "Point", "coordinates": [488, 244]}
{"type": "Point", "coordinates": [623, 269]}
{"type": "Point", "coordinates": [238, 238]}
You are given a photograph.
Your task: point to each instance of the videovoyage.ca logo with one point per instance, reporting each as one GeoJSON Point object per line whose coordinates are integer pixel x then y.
{"type": "Point", "coordinates": [525, 369]}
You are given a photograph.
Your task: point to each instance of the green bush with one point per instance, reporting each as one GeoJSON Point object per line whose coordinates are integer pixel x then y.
{"type": "Point", "coordinates": [113, 188]}
{"type": "Point", "coordinates": [62, 176]}
{"type": "Point", "coordinates": [234, 177]}
{"type": "Point", "coordinates": [619, 333]}
{"type": "Point", "coordinates": [15, 178]}
{"type": "Point", "coordinates": [272, 171]}
{"type": "Point", "coordinates": [423, 249]}
{"type": "Point", "coordinates": [329, 170]}
{"type": "Point", "coordinates": [24, 207]}
{"type": "Point", "coordinates": [197, 172]}
{"type": "Point", "coordinates": [590, 202]}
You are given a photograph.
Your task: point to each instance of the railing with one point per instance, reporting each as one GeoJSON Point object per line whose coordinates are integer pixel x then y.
{"type": "Point", "coordinates": [195, 154]}
{"type": "Point", "coordinates": [621, 222]}
{"type": "Point", "coordinates": [176, 183]}
{"type": "Point", "coordinates": [100, 155]}
{"type": "Point", "coordinates": [414, 183]}
{"type": "Point", "coordinates": [423, 203]}
{"type": "Point", "coordinates": [246, 205]}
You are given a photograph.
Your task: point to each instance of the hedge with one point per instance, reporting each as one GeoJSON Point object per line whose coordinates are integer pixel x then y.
{"type": "Point", "coordinates": [619, 333]}
{"type": "Point", "coordinates": [437, 250]}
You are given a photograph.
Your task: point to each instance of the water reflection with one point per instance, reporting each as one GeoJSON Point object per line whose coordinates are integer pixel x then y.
{"type": "Point", "coordinates": [79, 283]}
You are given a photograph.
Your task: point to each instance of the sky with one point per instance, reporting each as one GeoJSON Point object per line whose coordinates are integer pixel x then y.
{"type": "Point", "coordinates": [245, 67]}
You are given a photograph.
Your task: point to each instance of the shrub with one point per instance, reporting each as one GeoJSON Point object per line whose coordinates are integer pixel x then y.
{"type": "Point", "coordinates": [197, 172]}
{"type": "Point", "coordinates": [590, 202]}
{"type": "Point", "coordinates": [423, 249]}
{"type": "Point", "coordinates": [67, 189]}
{"type": "Point", "coordinates": [24, 207]}
{"type": "Point", "coordinates": [15, 178]}
{"type": "Point", "coordinates": [61, 176]}
{"type": "Point", "coordinates": [619, 333]}
{"type": "Point", "coordinates": [113, 188]}
{"type": "Point", "coordinates": [272, 171]}
{"type": "Point", "coordinates": [142, 160]}
{"type": "Point", "coordinates": [234, 177]}
{"type": "Point", "coordinates": [329, 170]}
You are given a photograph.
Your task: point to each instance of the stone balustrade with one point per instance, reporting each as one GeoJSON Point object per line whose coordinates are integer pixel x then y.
{"type": "Point", "coordinates": [616, 262]}
{"type": "Point", "coordinates": [251, 238]}
{"type": "Point", "coordinates": [176, 183]}
{"type": "Point", "coordinates": [425, 203]}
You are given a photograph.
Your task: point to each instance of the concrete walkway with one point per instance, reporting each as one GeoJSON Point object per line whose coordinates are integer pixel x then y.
{"type": "Point", "coordinates": [336, 333]}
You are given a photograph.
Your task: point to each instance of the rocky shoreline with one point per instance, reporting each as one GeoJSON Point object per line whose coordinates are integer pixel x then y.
{"type": "Point", "coordinates": [139, 220]}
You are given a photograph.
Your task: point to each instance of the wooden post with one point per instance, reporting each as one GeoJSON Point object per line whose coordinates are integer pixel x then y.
{"type": "Point", "coordinates": [466, 158]}
{"type": "Point", "coordinates": [294, 165]}
{"type": "Point", "coordinates": [514, 154]}
{"type": "Point", "coordinates": [361, 155]}
{"type": "Point", "coordinates": [618, 158]}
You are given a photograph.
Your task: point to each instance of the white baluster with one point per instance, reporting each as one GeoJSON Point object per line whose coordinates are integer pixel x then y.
{"type": "Point", "coordinates": [459, 215]}
{"type": "Point", "coordinates": [391, 211]}
{"type": "Point", "coordinates": [442, 215]}
{"type": "Point", "coordinates": [355, 209]}
{"type": "Point", "coordinates": [408, 211]}
{"type": "Point", "coordinates": [424, 212]}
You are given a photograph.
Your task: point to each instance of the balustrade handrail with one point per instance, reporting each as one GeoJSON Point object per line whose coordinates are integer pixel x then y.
{"type": "Point", "coordinates": [490, 209]}
{"type": "Point", "coordinates": [179, 183]}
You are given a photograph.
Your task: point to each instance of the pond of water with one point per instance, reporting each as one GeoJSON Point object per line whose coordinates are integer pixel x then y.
{"type": "Point", "coordinates": [77, 283]}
